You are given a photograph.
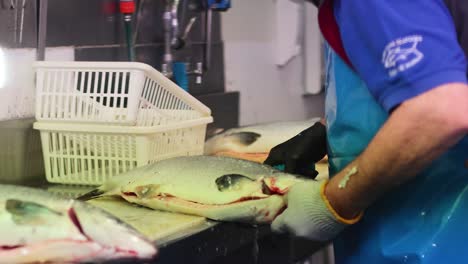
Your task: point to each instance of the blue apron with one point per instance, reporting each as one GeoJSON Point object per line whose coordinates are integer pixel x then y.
{"type": "Point", "coordinates": [423, 221]}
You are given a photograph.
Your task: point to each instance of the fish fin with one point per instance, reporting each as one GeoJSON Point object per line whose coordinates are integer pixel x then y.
{"type": "Point", "coordinates": [211, 132]}
{"type": "Point", "coordinates": [19, 207]}
{"type": "Point", "coordinates": [148, 190]}
{"type": "Point", "coordinates": [94, 194]}
{"type": "Point", "coordinates": [245, 138]}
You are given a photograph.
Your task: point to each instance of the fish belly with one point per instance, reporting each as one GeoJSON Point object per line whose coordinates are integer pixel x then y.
{"type": "Point", "coordinates": [250, 211]}
{"type": "Point", "coordinates": [59, 251]}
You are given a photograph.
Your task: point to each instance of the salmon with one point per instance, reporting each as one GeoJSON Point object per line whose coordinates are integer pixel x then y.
{"type": "Point", "coordinates": [254, 142]}
{"type": "Point", "coordinates": [36, 226]}
{"type": "Point", "coordinates": [218, 188]}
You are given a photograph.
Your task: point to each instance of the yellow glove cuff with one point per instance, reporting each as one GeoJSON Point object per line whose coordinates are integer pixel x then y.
{"type": "Point", "coordinates": [332, 210]}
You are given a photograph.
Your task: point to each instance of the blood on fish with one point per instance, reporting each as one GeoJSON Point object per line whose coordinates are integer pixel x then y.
{"type": "Point", "coordinates": [75, 221]}
{"type": "Point", "coordinates": [275, 189]}
{"type": "Point", "coordinates": [10, 247]}
{"type": "Point", "coordinates": [278, 190]}
{"type": "Point", "coordinates": [243, 199]}
{"type": "Point", "coordinates": [130, 252]}
{"type": "Point", "coordinates": [280, 211]}
{"type": "Point", "coordinates": [130, 194]}
{"type": "Point", "coordinates": [167, 198]}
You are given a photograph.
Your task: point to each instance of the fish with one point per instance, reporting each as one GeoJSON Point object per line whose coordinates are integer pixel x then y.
{"type": "Point", "coordinates": [36, 227]}
{"type": "Point", "coordinates": [254, 142]}
{"type": "Point", "coordinates": [218, 188]}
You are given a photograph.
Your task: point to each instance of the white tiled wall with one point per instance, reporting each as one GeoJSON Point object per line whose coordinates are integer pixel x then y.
{"type": "Point", "coordinates": [17, 79]}
{"type": "Point", "coordinates": [267, 92]}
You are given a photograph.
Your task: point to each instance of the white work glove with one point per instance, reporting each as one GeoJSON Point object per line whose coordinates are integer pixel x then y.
{"type": "Point", "coordinates": [309, 214]}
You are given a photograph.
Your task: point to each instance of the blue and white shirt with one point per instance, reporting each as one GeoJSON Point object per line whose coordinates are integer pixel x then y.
{"type": "Point", "coordinates": [400, 48]}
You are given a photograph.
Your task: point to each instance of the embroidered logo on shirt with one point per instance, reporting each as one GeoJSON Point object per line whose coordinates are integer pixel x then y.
{"type": "Point", "coordinates": [402, 54]}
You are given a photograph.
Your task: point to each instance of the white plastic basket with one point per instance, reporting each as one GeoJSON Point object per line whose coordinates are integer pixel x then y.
{"type": "Point", "coordinates": [87, 154]}
{"type": "Point", "coordinates": [121, 93]}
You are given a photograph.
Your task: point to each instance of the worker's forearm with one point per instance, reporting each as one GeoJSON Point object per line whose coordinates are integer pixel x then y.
{"type": "Point", "coordinates": [418, 132]}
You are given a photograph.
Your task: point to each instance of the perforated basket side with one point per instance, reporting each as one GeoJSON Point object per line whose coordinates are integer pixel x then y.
{"type": "Point", "coordinates": [90, 158]}
{"type": "Point", "coordinates": [88, 95]}
{"type": "Point", "coordinates": [124, 93]}
{"type": "Point", "coordinates": [163, 102]}
{"type": "Point", "coordinates": [187, 141]}
{"type": "Point", "coordinates": [159, 105]}
{"type": "Point", "coordinates": [67, 161]}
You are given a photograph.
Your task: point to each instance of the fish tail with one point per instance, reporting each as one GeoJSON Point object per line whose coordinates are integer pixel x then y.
{"type": "Point", "coordinates": [96, 193]}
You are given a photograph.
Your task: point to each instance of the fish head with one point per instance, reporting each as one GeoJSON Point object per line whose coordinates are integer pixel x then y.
{"type": "Point", "coordinates": [21, 218]}
{"type": "Point", "coordinates": [115, 236]}
{"type": "Point", "coordinates": [38, 227]}
{"type": "Point", "coordinates": [125, 182]}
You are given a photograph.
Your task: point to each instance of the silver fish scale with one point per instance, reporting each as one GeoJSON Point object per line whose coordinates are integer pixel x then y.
{"type": "Point", "coordinates": [33, 195]}
{"type": "Point", "coordinates": [199, 168]}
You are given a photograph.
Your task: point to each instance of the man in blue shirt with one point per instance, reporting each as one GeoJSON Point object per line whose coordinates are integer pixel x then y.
{"type": "Point", "coordinates": [396, 126]}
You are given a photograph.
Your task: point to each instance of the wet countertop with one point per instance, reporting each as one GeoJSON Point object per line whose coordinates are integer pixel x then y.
{"type": "Point", "coordinates": [223, 242]}
{"type": "Point", "coordinates": [228, 243]}
{"type": "Point", "coordinates": [235, 243]}
{"type": "Point", "coordinates": [216, 242]}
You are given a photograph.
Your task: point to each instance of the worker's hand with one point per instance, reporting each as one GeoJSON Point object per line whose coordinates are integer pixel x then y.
{"type": "Point", "coordinates": [309, 214]}
{"type": "Point", "coordinates": [300, 153]}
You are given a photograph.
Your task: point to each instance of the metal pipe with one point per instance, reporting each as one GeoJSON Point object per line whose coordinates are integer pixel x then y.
{"type": "Point", "coordinates": [127, 9]}
{"type": "Point", "coordinates": [167, 57]}
{"type": "Point", "coordinates": [208, 21]}
{"type": "Point", "coordinates": [137, 22]}
{"type": "Point", "coordinates": [188, 28]}
{"type": "Point", "coordinates": [175, 21]}
{"type": "Point", "coordinates": [23, 7]}
{"type": "Point", "coordinates": [42, 30]}
{"type": "Point", "coordinates": [128, 37]}
{"type": "Point", "coordinates": [13, 6]}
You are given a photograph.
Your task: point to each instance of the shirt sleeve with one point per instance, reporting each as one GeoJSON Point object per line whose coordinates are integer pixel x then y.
{"type": "Point", "coordinates": [400, 48]}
